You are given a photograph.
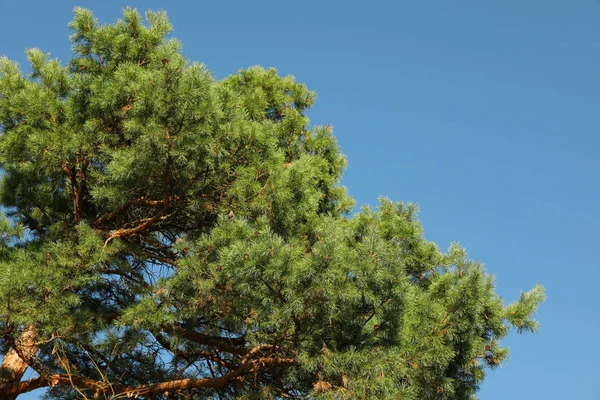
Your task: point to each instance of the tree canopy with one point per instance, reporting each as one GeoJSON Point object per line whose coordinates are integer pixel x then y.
{"type": "Point", "coordinates": [168, 235]}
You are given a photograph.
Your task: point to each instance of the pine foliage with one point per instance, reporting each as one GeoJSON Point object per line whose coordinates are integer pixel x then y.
{"type": "Point", "coordinates": [168, 235]}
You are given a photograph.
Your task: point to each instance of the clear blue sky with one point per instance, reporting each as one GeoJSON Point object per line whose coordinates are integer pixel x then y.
{"type": "Point", "coordinates": [487, 115]}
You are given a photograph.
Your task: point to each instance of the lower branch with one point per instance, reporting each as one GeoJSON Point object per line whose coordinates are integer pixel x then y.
{"type": "Point", "coordinates": [81, 383]}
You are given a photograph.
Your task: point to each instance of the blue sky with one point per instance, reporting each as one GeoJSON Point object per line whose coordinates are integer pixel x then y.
{"type": "Point", "coordinates": [487, 114]}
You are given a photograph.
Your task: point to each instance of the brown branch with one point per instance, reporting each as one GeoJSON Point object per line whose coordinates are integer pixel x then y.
{"type": "Point", "coordinates": [143, 225]}
{"type": "Point", "coordinates": [71, 173]}
{"type": "Point", "coordinates": [53, 380]}
{"type": "Point", "coordinates": [228, 345]}
{"type": "Point", "coordinates": [261, 348]}
{"type": "Point", "coordinates": [17, 359]}
{"type": "Point", "coordinates": [135, 202]}
{"type": "Point", "coordinates": [183, 384]}
{"type": "Point", "coordinates": [82, 383]}
{"type": "Point", "coordinates": [79, 189]}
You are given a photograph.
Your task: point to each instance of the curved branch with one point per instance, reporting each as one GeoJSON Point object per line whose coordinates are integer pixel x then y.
{"type": "Point", "coordinates": [98, 387]}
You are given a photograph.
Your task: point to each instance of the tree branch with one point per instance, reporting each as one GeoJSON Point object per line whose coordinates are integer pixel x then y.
{"type": "Point", "coordinates": [228, 345]}
{"type": "Point", "coordinates": [83, 383]}
{"type": "Point", "coordinates": [71, 173]}
{"type": "Point", "coordinates": [135, 202]}
{"type": "Point", "coordinates": [16, 360]}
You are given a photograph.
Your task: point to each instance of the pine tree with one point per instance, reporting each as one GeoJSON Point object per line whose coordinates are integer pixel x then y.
{"type": "Point", "coordinates": [168, 235]}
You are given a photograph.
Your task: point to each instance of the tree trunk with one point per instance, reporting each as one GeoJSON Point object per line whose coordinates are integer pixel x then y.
{"type": "Point", "coordinates": [13, 366]}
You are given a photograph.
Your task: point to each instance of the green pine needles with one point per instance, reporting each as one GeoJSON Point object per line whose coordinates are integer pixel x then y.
{"type": "Point", "coordinates": [168, 235]}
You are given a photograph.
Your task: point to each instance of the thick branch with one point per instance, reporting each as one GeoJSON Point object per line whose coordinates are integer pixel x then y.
{"type": "Point", "coordinates": [142, 225]}
{"type": "Point", "coordinates": [15, 361]}
{"type": "Point", "coordinates": [178, 385]}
